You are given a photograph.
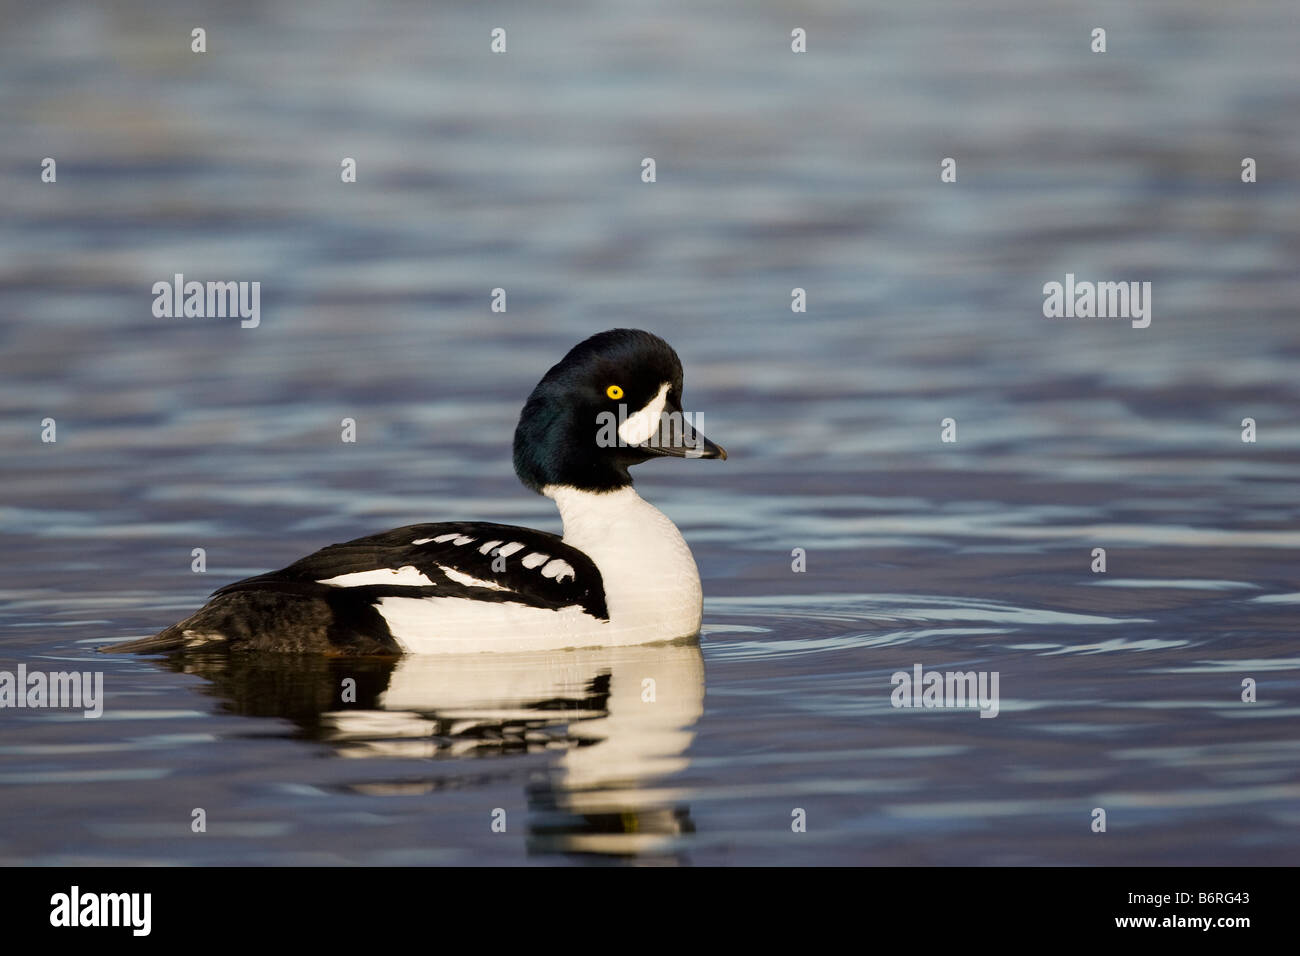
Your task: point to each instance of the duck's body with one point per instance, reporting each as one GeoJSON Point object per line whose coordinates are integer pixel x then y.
{"type": "Point", "coordinates": [621, 574]}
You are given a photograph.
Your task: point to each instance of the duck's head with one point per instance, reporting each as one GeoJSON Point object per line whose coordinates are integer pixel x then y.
{"type": "Point", "coordinates": [613, 402]}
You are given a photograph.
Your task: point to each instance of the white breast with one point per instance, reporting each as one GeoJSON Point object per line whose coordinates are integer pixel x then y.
{"type": "Point", "coordinates": [652, 586]}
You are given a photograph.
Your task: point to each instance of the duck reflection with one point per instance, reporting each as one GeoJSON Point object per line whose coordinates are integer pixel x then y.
{"type": "Point", "coordinates": [618, 721]}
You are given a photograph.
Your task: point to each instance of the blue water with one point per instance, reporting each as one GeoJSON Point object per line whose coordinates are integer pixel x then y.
{"type": "Point", "coordinates": [1119, 691]}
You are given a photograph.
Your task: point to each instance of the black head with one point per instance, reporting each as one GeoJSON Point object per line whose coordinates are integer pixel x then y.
{"type": "Point", "coordinates": [613, 402]}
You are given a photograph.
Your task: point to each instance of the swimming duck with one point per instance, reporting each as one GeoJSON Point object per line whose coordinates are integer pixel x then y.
{"type": "Point", "coordinates": [621, 574]}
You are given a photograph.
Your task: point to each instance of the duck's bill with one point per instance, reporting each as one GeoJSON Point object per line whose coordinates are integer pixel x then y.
{"type": "Point", "coordinates": [687, 443]}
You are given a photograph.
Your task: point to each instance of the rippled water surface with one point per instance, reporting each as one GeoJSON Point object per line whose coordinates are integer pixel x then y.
{"type": "Point", "coordinates": [1119, 690]}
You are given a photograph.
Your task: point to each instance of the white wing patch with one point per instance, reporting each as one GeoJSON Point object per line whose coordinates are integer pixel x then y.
{"type": "Point", "coordinates": [559, 570]}
{"type": "Point", "coordinates": [442, 538]}
{"type": "Point", "coordinates": [408, 575]}
{"type": "Point", "coordinates": [509, 549]}
{"type": "Point", "coordinates": [460, 577]}
{"type": "Point", "coordinates": [488, 546]}
{"type": "Point", "coordinates": [421, 541]}
{"type": "Point", "coordinates": [534, 560]}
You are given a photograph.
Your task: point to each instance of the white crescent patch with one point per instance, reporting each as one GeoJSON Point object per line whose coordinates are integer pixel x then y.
{"type": "Point", "coordinates": [639, 427]}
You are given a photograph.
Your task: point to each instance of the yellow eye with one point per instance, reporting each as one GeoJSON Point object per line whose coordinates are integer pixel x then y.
{"type": "Point", "coordinates": [614, 392]}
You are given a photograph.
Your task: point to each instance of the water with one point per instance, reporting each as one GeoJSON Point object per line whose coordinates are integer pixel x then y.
{"type": "Point", "coordinates": [1120, 691]}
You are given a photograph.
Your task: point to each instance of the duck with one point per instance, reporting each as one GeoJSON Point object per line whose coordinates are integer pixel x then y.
{"type": "Point", "coordinates": [621, 574]}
